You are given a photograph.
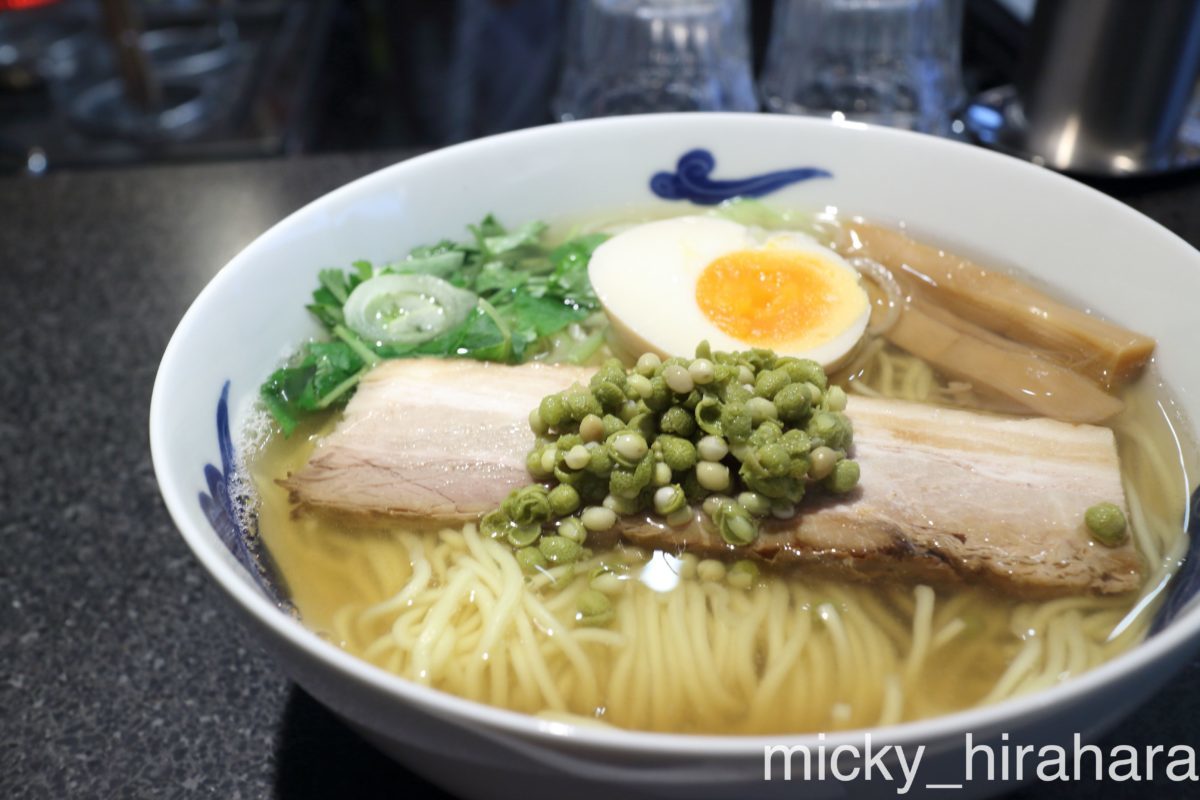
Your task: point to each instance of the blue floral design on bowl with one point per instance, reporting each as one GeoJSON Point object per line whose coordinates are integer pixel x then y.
{"type": "Point", "coordinates": [691, 181]}
{"type": "Point", "coordinates": [225, 510]}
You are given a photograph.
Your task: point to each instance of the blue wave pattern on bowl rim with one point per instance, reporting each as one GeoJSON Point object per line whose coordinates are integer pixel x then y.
{"type": "Point", "coordinates": [224, 510]}
{"type": "Point", "coordinates": [691, 181]}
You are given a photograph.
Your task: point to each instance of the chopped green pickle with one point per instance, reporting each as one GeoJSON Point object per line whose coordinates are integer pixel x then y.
{"type": "Point", "coordinates": [670, 434]}
{"type": "Point", "coordinates": [594, 608]}
{"type": "Point", "coordinates": [1106, 522]}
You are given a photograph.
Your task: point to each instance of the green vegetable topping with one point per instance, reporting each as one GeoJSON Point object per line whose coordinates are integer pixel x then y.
{"type": "Point", "coordinates": [677, 453]}
{"type": "Point", "coordinates": [1106, 521]}
{"type": "Point", "coordinates": [669, 499]}
{"type": "Point", "coordinates": [627, 448]}
{"type": "Point", "coordinates": [768, 382]}
{"type": "Point", "coordinates": [708, 415]}
{"type": "Point", "coordinates": [761, 409]}
{"type": "Point", "coordinates": [577, 457]}
{"type": "Point", "coordinates": [531, 559]}
{"type": "Point", "coordinates": [527, 505]}
{"type": "Point", "coordinates": [594, 608]}
{"type": "Point", "coordinates": [571, 528]}
{"type": "Point", "coordinates": [736, 422]}
{"type": "Point", "coordinates": [835, 399]}
{"type": "Point", "coordinates": [755, 503]}
{"type": "Point", "coordinates": [623, 506]}
{"type": "Point", "coordinates": [523, 535]}
{"type": "Point", "coordinates": [845, 477]}
{"type": "Point", "coordinates": [803, 370]}
{"type": "Point", "coordinates": [600, 462]}
{"type": "Point", "coordinates": [791, 402]}
{"type": "Point", "coordinates": [648, 364]}
{"type": "Point", "coordinates": [743, 574]}
{"type": "Point", "coordinates": [713, 476]}
{"type": "Point", "coordinates": [591, 427]}
{"type": "Point", "coordinates": [710, 570]}
{"type": "Point", "coordinates": [773, 460]}
{"type": "Point", "coordinates": [702, 372]}
{"type": "Point", "coordinates": [598, 518]}
{"type": "Point", "coordinates": [742, 436]}
{"type": "Point", "coordinates": [613, 425]}
{"type": "Point", "coordinates": [628, 482]}
{"type": "Point", "coordinates": [563, 499]}
{"type": "Point", "coordinates": [678, 379]}
{"type": "Point", "coordinates": [735, 524]}
{"type": "Point", "coordinates": [607, 578]}
{"type": "Point", "coordinates": [832, 428]}
{"type": "Point", "coordinates": [559, 549]}
{"type": "Point", "coordinates": [712, 448]}
{"type": "Point", "coordinates": [677, 420]}
{"type": "Point", "coordinates": [582, 403]}
{"type": "Point", "coordinates": [821, 462]}
{"type": "Point", "coordinates": [501, 296]}
{"type": "Point", "coordinates": [552, 410]}
{"type": "Point", "coordinates": [495, 524]}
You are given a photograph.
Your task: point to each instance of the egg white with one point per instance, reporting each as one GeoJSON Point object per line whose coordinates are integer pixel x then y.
{"type": "Point", "coordinates": [646, 278]}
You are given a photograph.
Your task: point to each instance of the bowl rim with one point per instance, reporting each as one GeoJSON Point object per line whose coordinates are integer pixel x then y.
{"type": "Point", "coordinates": [1181, 634]}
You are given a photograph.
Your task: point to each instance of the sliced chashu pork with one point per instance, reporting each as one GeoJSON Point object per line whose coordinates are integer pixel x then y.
{"type": "Point", "coordinates": [946, 495]}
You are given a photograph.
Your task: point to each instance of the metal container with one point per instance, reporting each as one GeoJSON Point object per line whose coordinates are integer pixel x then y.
{"type": "Point", "coordinates": [1107, 82]}
{"type": "Point", "coordinates": [1103, 88]}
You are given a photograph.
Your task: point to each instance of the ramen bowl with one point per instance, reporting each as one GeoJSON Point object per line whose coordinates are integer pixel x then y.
{"type": "Point", "coordinates": [1093, 249]}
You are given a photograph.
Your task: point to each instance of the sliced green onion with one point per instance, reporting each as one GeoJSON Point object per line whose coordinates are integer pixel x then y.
{"type": "Point", "coordinates": [406, 309]}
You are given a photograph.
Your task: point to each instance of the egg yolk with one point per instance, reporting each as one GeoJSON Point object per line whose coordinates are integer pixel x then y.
{"type": "Point", "coordinates": [767, 297]}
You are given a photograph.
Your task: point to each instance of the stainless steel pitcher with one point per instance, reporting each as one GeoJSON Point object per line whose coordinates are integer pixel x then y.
{"type": "Point", "coordinates": [1104, 84]}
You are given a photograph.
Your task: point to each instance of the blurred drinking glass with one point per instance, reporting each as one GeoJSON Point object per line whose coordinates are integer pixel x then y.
{"type": "Point", "coordinates": [889, 62]}
{"type": "Point", "coordinates": [634, 56]}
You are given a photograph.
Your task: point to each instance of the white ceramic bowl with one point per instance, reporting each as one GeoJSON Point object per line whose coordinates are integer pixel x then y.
{"type": "Point", "coordinates": [1110, 258]}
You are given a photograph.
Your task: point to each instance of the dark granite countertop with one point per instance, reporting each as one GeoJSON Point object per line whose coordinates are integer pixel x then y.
{"type": "Point", "coordinates": [122, 670]}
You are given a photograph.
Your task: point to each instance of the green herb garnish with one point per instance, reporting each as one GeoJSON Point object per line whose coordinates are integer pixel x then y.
{"type": "Point", "coordinates": [525, 291]}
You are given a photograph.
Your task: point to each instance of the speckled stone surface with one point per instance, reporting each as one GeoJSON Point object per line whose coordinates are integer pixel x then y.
{"type": "Point", "coordinates": [122, 671]}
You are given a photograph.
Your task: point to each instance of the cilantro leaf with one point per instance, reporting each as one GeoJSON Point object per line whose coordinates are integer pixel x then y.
{"type": "Point", "coordinates": [314, 379]}
{"type": "Point", "coordinates": [544, 315]}
{"type": "Point", "coordinates": [528, 235]}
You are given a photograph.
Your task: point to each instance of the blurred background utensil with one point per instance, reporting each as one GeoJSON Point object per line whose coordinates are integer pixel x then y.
{"type": "Point", "coordinates": [171, 84]}
{"type": "Point", "coordinates": [86, 83]}
{"type": "Point", "coordinates": [123, 26]}
{"type": "Point", "coordinates": [634, 56]}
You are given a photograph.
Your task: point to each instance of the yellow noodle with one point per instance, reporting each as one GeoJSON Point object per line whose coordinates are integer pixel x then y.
{"type": "Point", "coordinates": [922, 623]}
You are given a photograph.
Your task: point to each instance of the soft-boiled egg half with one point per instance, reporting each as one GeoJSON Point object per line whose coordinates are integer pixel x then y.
{"type": "Point", "coordinates": [669, 284]}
